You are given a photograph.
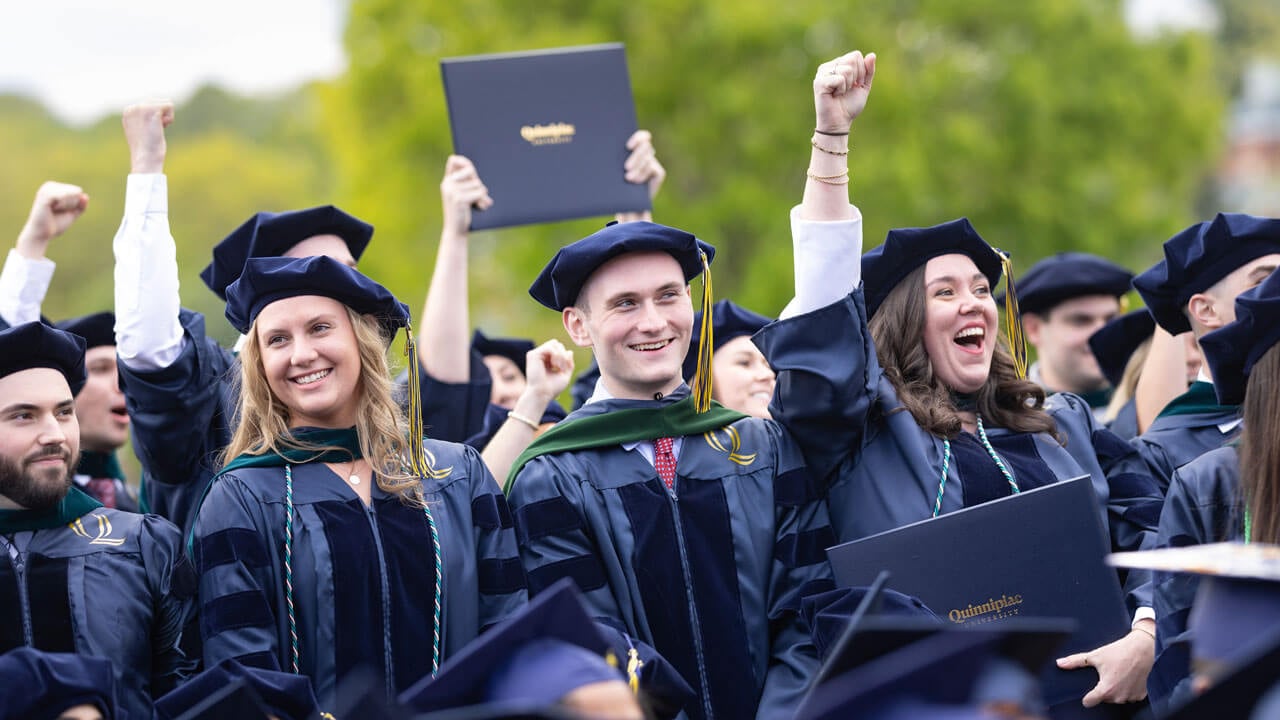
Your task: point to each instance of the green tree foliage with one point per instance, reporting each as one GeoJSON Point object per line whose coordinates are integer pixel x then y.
{"type": "Point", "coordinates": [1045, 122]}
{"type": "Point", "coordinates": [1248, 29]}
{"type": "Point", "coordinates": [228, 158]}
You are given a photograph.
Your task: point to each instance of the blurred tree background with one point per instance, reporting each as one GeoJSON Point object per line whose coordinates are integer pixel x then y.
{"type": "Point", "coordinates": [1046, 122]}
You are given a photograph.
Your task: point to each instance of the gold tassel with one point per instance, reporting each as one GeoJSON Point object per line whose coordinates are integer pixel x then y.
{"type": "Point", "coordinates": [706, 343]}
{"type": "Point", "coordinates": [1013, 318]}
{"type": "Point", "coordinates": [634, 663]}
{"type": "Point", "coordinates": [417, 453]}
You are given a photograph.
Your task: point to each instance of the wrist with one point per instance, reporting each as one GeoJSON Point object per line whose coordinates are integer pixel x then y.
{"type": "Point", "coordinates": [146, 164]}
{"type": "Point", "coordinates": [31, 244]}
{"type": "Point", "coordinates": [522, 419]}
{"type": "Point", "coordinates": [533, 402]}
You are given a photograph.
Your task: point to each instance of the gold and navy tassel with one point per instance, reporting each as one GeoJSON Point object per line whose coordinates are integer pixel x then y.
{"type": "Point", "coordinates": [706, 343]}
{"type": "Point", "coordinates": [1013, 318]}
{"type": "Point", "coordinates": [417, 453]}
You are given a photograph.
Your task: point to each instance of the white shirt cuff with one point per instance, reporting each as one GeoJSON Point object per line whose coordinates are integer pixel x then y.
{"type": "Point", "coordinates": [828, 261]}
{"type": "Point", "coordinates": [23, 285]}
{"type": "Point", "coordinates": [146, 193]}
{"type": "Point", "coordinates": [1143, 613]}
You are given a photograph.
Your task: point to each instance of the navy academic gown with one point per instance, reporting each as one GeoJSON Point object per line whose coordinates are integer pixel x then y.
{"type": "Point", "coordinates": [363, 577]}
{"type": "Point", "coordinates": [181, 417]}
{"type": "Point", "coordinates": [710, 574]}
{"type": "Point", "coordinates": [114, 585]}
{"type": "Point", "coordinates": [1202, 507]}
{"type": "Point", "coordinates": [882, 470]}
{"type": "Point", "coordinates": [1125, 423]}
{"type": "Point", "coordinates": [1176, 437]}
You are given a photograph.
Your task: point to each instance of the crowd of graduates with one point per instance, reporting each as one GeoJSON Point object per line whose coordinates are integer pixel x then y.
{"type": "Point", "coordinates": [318, 531]}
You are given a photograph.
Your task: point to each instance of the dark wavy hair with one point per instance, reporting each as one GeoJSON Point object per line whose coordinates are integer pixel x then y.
{"type": "Point", "coordinates": [1005, 400]}
{"type": "Point", "coordinates": [1259, 450]}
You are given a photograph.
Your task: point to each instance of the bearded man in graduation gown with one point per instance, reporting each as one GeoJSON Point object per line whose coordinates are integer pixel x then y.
{"type": "Point", "coordinates": [74, 576]}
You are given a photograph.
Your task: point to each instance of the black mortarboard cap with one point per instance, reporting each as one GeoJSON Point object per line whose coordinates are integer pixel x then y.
{"type": "Point", "coordinates": [906, 249]}
{"type": "Point", "coordinates": [1197, 258]}
{"type": "Point", "coordinates": [730, 321]}
{"type": "Point", "coordinates": [36, 345]}
{"type": "Point", "coordinates": [40, 684]}
{"type": "Point", "coordinates": [835, 617]}
{"type": "Point", "coordinates": [268, 234]}
{"type": "Point", "coordinates": [533, 658]}
{"type": "Point", "coordinates": [1067, 275]}
{"type": "Point", "coordinates": [559, 283]}
{"type": "Point", "coordinates": [500, 711]}
{"type": "Point", "coordinates": [269, 279]}
{"type": "Point", "coordinates": [284, 695]}
{"type": "Point", "coordinates": [513, 349]}
{"type": "Point", "coordinates": [1250, 691]}
{"type": "Point", "coordinates": [1235, 348]}
{"type": "Point", "coordinates": [362, 693]}
{"type": "Point", "coordinates": [1114, 343]}
{"type": "Point", "coordinates": [98, 329]}
{"type": "Point", "coordinates": [946, 669]}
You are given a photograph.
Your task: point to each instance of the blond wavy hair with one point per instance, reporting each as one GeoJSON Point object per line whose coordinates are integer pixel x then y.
{"type": "Point", "coordinates": [263, 420]}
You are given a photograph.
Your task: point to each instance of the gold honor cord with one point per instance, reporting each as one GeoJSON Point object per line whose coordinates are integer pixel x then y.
{"type": "Point", "coordinates": [706, 340]}
{"type": "Point", "coordinates": [1013, 318]}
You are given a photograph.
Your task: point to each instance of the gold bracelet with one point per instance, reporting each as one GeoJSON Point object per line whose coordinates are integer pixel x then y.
{"type": "Point", "coordinates": [838, 179]}
{"type": "Point", "coordinates": [517, 416]}
{"type": "Point", "coordinates": [1144, 631]}
{"type": "Point", "coordinates": [815, 144]}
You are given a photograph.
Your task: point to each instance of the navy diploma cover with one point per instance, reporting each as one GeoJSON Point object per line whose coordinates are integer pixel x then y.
{"type": "Point", "coordinates": [547, 132]}
{"type": "Point", "coordinates": [1037, 554]}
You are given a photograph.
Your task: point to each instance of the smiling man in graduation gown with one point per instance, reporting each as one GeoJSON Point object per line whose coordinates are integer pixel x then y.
{"type": "Point", "coordinates": [688, 527]}
{"type": "Point", "coordinates": [75, 576]}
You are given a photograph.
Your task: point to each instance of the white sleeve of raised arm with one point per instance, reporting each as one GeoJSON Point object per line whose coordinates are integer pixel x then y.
{"type": "Point", "coordinates": [828, 261]}
{"type": "Point", "coordinates": [148, 332]}
{"type": "Point", "coordinates": [23, 285]}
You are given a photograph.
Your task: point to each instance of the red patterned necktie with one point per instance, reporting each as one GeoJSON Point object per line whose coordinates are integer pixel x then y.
{"type": "Point", "coordinates": [665, 460]}
{"type": "Point", "coordinates": [104, 489]}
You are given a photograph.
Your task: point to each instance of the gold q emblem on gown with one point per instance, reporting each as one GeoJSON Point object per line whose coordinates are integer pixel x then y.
{"type": "Point", "coordinates": [716, 439]}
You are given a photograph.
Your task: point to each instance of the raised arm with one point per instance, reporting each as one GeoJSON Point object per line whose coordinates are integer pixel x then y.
{"type": "Point", "coordinates": [840, 91]}
{"type": "Point", "coordinates": [642, 167]}
{"type": "Point", "coordinates": [148, 332]}
{"type": "Point", "coordinates": [820, 348]}
{"type": "Point", "coordinates": [548, 369]}
{"type": "Point", "coordinates": [27, 272]}
{"type": "Point", "coordinates": [444, 340]}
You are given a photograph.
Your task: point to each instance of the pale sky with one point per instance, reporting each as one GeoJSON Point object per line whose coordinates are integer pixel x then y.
{"type": "Point", "coordinates": [85, 59]}
{"type": "Point", "coordinates": [88, 58]}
